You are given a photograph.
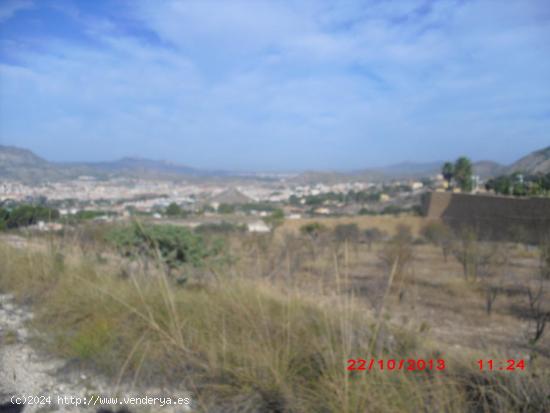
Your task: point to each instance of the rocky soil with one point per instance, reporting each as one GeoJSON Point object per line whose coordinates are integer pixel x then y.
{"type": "Point", "coordinates": [25, 371]}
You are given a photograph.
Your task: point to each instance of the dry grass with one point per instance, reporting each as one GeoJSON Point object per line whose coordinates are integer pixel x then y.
{"type": "Point", "coordinates": [266, 336]}
{"type": "Point", "coordinates": [386, 223]}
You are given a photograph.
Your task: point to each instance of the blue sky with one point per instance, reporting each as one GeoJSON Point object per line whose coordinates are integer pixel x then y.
{"type": "Point", "coordinates": [265, 85]}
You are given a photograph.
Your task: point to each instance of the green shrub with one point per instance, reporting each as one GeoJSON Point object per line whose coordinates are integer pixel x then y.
{"type": "Point", "coordinates": [276, 218]}
{"type": "Point", "coordinates": [26, 215]}
{"type": "Point", "coordinates": [313, 229]}
{"type": "Point", "coordinates": [219, 228]}
{"type": "Point", "coordinates": [226, 209]}
{"type": "Point", "coordinates": [175, 245]}
{"type": "Point", "coordinates": [174, 210]}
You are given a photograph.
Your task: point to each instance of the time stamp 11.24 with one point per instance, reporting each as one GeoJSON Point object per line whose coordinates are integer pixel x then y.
{"type": "Point", "coordinates": [502, 365]}
{"type": "Point", "coordinates": [430, 364]}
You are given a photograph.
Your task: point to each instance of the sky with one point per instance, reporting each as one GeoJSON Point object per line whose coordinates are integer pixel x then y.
{"type": "Point", "coordinates": [275, 85]}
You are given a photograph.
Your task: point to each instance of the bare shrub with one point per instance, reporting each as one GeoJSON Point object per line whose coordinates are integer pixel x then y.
{"type": "Point", "coordinates": [544, 262]}
{"type": "Point", "coordinates": [397, 254]}
{"type": "Point", "coordinates": [440, 235]}
{"type": "Point", "coordinates": [316, 233]}
{"type": "Point", "coordinates": [493, 273]}
{"type": "Point", "coordinates": [538, 315]}
{"type": "Point", "coordinates": [345, 236]}
{"type": "Point", "coordinates": [474, 255]}
{"type": "Point", "coordinates": [371, 235]}
{"type": "Point", "coordinates": [346, 233]}
{"type": "Point", "coordinates": [288, 258]}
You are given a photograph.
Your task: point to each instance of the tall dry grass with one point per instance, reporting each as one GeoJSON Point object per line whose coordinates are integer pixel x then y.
{"type": "Point", "coordinates": [242, 343]}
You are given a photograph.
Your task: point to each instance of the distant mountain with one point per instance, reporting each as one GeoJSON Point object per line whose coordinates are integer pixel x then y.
{"type": "Point", "coordinates": [135, 168]}
{"type": "Point", "coordinates": [128, 164]}
{"type": "Point", "coordinates": [488, 169]}
{"type": "Point", "coordinates": [535, 162]}
{"type": "Point", "coordinates": [327, 177]}
{"type": "Point", "coordinates": [484, 169]}
{"type": "Point", "coordinates": [23, 165]}
{"type": "Point", "coordinates": [410, 169]}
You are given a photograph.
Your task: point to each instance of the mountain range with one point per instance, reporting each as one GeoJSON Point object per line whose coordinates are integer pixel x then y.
{"type": "Point", "coordinates": [533, 163]}
{"type": "Point", "coordinates": [25, 166]}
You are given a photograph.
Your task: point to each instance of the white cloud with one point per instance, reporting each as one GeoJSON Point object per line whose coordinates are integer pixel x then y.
{"type": "Point", "coordinates": [9, 8]}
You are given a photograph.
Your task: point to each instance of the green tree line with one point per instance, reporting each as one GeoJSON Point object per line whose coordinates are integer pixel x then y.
{"type": "Point", "coordinates": [518, 185]}
{"type": "Point", "coordinates": [25, 215]}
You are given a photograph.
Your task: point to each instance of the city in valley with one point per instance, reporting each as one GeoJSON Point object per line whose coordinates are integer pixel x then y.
{"type": "Point", "coordinates": [238, 200]}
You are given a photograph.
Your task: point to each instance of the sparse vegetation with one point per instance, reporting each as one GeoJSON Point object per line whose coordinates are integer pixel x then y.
{"type": "Point", "coordinates": [396, 256]}
{"type": "Point", "coordinates": [243, 342]}
{"type": "Point", "coordinates": [274, 329]}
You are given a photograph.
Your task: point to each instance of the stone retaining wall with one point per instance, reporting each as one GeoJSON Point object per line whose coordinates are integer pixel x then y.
{"type": "Point", "coordinates": [494, 217]}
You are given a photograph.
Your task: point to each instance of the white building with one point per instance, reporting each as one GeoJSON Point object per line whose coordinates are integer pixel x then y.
{"type": "Point", "coordinates": [258, 226]}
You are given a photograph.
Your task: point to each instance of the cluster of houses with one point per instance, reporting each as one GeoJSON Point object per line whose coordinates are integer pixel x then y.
{"type": "Point", "coordinates": [122, 198]}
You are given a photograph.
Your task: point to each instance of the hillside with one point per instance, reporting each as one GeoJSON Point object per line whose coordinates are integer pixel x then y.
{"type": "Point", "coordinates": [23, 165]}
{"type": "Point", "coordinates": [535, 162]}
{"type": "Point", "coordinates": [488, 169]}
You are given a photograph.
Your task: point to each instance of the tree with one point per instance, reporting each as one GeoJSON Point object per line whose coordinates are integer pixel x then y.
{"type": "Point", "coordinates": [276, 218]}
{"type": "Point", "coordinates": [226, 209]}
{"type": "Point", "coordinates": [294, 200]}
{"type": "Point", "coordinates": [447, 171]}
{"type": "Point", "coordinates": [463, 174]}
{"type": "Point", "coordinates": [174, 210]}
{"type": "Point", "coordinates": [500, 184]}
{"type": "Point", "coordinates": [313, 229]}
{"type": "Point", "coordinates": [26, 215]}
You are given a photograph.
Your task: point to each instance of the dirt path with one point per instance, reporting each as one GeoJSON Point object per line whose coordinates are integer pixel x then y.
{"type": "Point", "coordinates": [24, 371]}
